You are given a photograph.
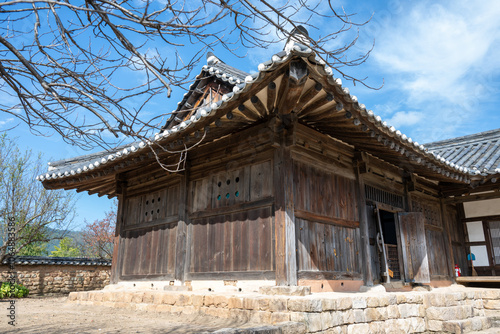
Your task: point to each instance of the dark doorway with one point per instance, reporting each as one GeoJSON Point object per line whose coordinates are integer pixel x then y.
{"type": "Point", "coordinates": [390, 234]}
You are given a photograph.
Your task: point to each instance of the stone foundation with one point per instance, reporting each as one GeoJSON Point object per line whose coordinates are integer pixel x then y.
{"type": "Point", "coordinates": [58, 279]}
{"type": "Point", "coordinates": [445, 310]}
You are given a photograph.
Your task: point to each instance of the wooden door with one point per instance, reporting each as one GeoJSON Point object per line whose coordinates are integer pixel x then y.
{"type": "Point", "coordinates": [413, 246]}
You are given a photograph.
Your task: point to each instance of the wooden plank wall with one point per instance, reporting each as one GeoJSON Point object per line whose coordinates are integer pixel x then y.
{"type": "Point", "coordinates": [434, 235]}
{"type": "Point", "coordinates": [231, 223]}
{"type": "Point", "coordinates": [148, 238]}
{"type": "Point", "coordinates": [457, 234]}
{"type": "Point", "coordinates": [327, 224]}
{"type": "Point", "coordinates": [237, 242]}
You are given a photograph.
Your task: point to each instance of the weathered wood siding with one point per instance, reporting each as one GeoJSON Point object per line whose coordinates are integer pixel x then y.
{"type": "Point", "coordinates": [326, 216]}
{"type": "Point", "coordinates": [457, 235]}
{"type": "Point", "coordinates": [329, 248]}
{"type": "Point", "coordinates": [148, 236]}
{"type": "Point", "coordinates": [236, 242]}
{"type": "Point", "coordinates": [434, 235]}
{"type": "Point", "coordinates": [231, 222]}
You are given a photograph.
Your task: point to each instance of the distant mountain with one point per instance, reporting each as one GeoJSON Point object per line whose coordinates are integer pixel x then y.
{"type": "Point", "coordinates": [57, 234]}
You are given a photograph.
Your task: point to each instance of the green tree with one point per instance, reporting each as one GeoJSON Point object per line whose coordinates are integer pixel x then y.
{"type": "Point", "coordinates": [27, 210]}
{"type": "Point", "coordinates": [67, 248]}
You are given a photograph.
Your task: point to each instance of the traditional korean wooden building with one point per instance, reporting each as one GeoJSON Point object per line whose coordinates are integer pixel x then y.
{"type": "Point", "coordinates": [290, 179]}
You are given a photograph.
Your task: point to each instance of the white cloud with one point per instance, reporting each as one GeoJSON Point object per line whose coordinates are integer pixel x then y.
{"type": "Point", "coordinates": [442, 60]}
{"type": "Point", "coordinates": [8, 120]}
{"type": "Point", "coordinates": [405, 118]}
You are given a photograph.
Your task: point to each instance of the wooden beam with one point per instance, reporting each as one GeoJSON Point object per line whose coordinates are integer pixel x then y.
{"type": "Point", "coordinates": [312, 217]}
{"type": "Point", "coordinates": [363, 227]}
{"type": "Point", "coordinates": [118, 249]}
{"type": "Point", "coordinates": [284, 215]}
{"type": "Point", "coordinates": [271, 96]}
{"type": "Point", "coordinates": [182, 248]}
{"type": "Point", "coordinates": [297, 78]}
{"type": "Point", "coordinates": [472, 198]}
{"type": "Point", "coordinates": [447, 237]}
{"type": "Point", "coordinates": [307, 97]}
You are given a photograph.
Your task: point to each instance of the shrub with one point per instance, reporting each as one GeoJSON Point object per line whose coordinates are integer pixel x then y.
{"type": "Point", "coordinates": [9, 290]}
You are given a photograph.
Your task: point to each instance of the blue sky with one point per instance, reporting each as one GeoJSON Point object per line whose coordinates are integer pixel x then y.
{"type": "Point", "coordinates": [439, 62]}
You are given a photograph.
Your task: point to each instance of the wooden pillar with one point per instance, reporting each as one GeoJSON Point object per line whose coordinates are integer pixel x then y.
{"type": "Point", "coordinates": [116, 263]}
{"type": "Point", "coordinates": [181, 258]}
{"type": "Point", "coordinates": [284, 215]}
{"type": "Point", "coordinates": [359, 167]}
{"type": "Point", "coordinates": [447, 238]}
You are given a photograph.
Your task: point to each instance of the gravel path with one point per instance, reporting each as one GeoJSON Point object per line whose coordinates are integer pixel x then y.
{"type": "Point", "coordinates": [55, 315]}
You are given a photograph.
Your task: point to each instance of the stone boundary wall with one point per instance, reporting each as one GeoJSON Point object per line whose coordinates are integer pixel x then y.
{"type": "Point", "coordinates": [408, 312]}
{"type": "Point", "coordinates": [42, 279]}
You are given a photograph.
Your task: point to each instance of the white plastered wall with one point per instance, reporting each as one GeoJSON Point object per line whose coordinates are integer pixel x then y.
{"type": "Point", "coordinates": [489, 207]}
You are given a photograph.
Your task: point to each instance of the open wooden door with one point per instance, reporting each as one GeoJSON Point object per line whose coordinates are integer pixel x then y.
{"type": "Point", "coordinates": [413, 246]}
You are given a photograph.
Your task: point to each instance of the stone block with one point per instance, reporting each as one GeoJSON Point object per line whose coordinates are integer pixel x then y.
{"type": "Point", "coordinates": [285, 290]}
{"type": "Point", "coordinates": [434, 325]}
{"type": "Point", "coordinates": [393, 312]}
{"type": "Point", "coordinates": [169, 299]}
{"type": "Point", "coordinates": [137, 297]}
{"type": "Point", "coordinates": [348, 317]}
{"type": "Point", "coordinates": [449, 313]}
{"type": "Point", "coordinates": [99, 297]}
{"type": "Point", "coordinates": [238, 315]}
{"type": "Point", "coordinates": [377, 327]}
{"type": "Point", "coordinates": [263, 303]}
{"type": "Point", "coordinates": [344, 303]}
{"type": "Point", "coordinates": [359, 316]}
{"type": "Point", "coordinates": [249, 303]}
{"type": "Point", "coordinates": [358, 328]}
{"type": "Point", "coordinates": [293, 328]}
{"type": "Point", "coordinates": [125, 296]}
{"type": "Point", "coordinates": [375, 314]}
{"type": "Point", "coordinates": [491, 294]}
{"type": "Point", "coordinates": [301, 304]}
{"type": "Point", "coordinates": [329, 304]}
{"type": "Point", "coordinates": [162, 308]}
{"type": "Point", "coordinates": [216, 312]}
{"type": "Point", "coordinates": [148, 297]}
{"type": "Point", "coordinates": [313, 322]}
{"type": "Point", "coordinates": [185, 300]}
{"type": "Point", "coordinates": [327, 319]}
{"type": "Point", "coordinates": [261, 317]}
{"type": "Point", "coordinates": [73, 296]}
{"type": "Point", "coordinates": [491, 304]}
{"type": "Point", "coordinates": [359, 302]}
{"type": "Point", "coordinates": [197, 300]}
{"type": "Point", "coordinates": [408, 310]}
{"type": "Point", "coordinates": [277, 304]}
{"type": "Point", "coordinates": [235, 302]}
{"type": "Point", "coordinates": [279, 317]}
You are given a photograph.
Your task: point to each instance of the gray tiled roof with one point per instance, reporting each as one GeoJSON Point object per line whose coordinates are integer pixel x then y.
{"type": "Point", "coordinates": [478, 152]}
{"type": "Point", "coordinates": [47, 260]}
{"type": "Point", "coordinates": [215, 67]}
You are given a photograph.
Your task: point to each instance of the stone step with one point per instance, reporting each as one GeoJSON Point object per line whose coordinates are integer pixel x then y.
{"type": "Point", "coordinates": [459, 312]}
{"type": "Point", "coordinates": [459, 326]}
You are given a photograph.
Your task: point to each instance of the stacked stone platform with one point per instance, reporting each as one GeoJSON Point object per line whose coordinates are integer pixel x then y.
{"type": "Point", "coordinates": [446, 310]}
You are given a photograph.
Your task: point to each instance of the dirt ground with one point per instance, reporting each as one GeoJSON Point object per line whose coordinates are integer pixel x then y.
{"type": "Point", "coordinates": [55, 315]}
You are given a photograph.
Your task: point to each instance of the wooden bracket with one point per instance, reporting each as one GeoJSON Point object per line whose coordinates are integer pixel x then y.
{"type": "Point", "coordinates": [411, 181]}
{"type": "Point", "coordinates": [121, 184]}
{"type": "Point", "coordinates": [361, 162]}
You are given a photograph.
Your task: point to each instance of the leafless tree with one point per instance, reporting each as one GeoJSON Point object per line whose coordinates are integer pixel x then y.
{"type": "Point", "coordinates": [88, 69]}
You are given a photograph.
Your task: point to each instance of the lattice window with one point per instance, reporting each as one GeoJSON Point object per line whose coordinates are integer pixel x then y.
{"type": "Point", "coordinates": [382, 196]}
{"type": "Point", "coordinates": [431, 211]}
